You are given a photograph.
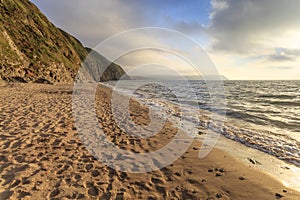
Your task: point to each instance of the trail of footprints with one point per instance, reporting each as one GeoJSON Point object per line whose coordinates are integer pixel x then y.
{"type": "Point", "coordinates": [42, 157]}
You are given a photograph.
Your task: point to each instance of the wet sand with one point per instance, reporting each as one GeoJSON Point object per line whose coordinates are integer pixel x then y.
{"type": "Point", "coordinates": [42, 156]}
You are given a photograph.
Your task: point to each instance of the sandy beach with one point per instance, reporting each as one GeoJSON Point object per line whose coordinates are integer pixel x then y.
{"type": "Point", "coordinates": [42, 156]}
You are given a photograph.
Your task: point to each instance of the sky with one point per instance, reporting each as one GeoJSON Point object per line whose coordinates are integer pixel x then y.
{"type": "Point", "coordinates": [245, 39]}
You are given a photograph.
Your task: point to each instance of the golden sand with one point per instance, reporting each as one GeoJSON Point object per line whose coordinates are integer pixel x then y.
{"type": "Point", "coordinates": [42, 156]}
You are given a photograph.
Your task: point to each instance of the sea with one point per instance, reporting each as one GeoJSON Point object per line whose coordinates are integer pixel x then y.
{"type": "Point", "coordinates": [264, 115]}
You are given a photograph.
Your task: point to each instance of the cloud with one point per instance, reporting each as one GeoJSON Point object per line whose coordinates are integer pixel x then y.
{"type": "Point", "coordinates": [92, 21]}
{"type": "Point", "coordinates": [243, 37]}
{"type": "Point", "coordinates": [279, 57]}
{"type": "Point", "coordinates": [156, 62]}
{"type": "Point", "coordinates": [278, 54]}
{"type": "Point", "coordinates": [282, 67]}
{"type": "Point", "coordinates": [241, 26]}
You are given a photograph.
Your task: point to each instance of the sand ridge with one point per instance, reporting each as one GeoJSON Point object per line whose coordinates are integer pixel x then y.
{"type": "Point", "coordinates": [42, 156]}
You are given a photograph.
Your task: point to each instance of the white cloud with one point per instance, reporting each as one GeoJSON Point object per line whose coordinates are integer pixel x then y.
{"type": "Point", "coordinates": [217, 6]}
{"type": "Point", "coordinates": [255, 39]}
{"type": "Point", "coordinates": [242, 26]}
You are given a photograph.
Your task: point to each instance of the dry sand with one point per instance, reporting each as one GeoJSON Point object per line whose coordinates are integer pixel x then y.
{"type": "Point", "coordinates": [42, 157]}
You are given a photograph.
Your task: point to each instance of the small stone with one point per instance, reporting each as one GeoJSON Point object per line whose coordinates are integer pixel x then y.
{"type": "Point", "coordinates": [241, 178]}
{"type": "Point", "coordinates": [285, 191]}
{"type": "Point", "coordinates": [210, 170]}
{"type": "Point", "coordinates": [219, 196]}
{"type": "Point", "coordinates": [218, 174]}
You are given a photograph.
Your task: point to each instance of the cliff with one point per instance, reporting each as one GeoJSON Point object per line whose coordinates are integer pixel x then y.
{"type": "Point", "coordinates": [32, 49]}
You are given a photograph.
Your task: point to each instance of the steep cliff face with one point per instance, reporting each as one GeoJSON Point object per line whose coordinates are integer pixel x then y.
{"type": "Point", "coordinates": [32, 49]}
{"type": "Point", "coordinates": [108, 71]}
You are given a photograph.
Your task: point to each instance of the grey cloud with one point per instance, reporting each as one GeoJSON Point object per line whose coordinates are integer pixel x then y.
{"type": "Point", "coordinates": [284, 54]}
{"type": "Point", "coordinates": [276, 57]}
{"type": "Point", "coordinates": [243, 25]}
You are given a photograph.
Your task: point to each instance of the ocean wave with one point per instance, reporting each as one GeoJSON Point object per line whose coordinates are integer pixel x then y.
{"type": "Point", "coordinates": [247, 105]}
{"type": "Point", "coordinates": [277, 96]}
{"type": "Point", "coordinates": [285, 103]}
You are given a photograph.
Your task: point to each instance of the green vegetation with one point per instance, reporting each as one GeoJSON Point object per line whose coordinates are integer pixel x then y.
{"type": "Point", "coordinates": [31, 47]}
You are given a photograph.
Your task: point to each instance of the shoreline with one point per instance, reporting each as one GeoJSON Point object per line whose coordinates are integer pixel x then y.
{"type": "Point", "coordinates": [254, 157]}
{"type": "Point", "coordinates": [284, 146]}
{"type": "Point", "coordinates": [286, 173]}
{"type": "Point", "coordinates": [42, 156]}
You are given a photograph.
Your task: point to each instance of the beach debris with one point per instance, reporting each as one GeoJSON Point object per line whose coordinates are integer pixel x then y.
{"type": "Point", "coordinates": [285, 167]}
{"type": "Point", "coordinates": [221, 170]}
{"type": "Point", "coordinates": [278, 196]}
{"type": "Point", "coordinates": [253, 161]}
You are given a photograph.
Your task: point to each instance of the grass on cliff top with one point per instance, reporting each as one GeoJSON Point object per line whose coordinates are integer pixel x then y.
{"type": "Point", "coordinates": [37, 38]}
